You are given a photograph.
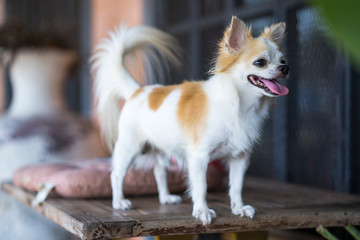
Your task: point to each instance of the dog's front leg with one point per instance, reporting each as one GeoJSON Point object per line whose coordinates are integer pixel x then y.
{"type": "Point", "coordinates": [237, 168]}
{"type": "Point", "coordinates": [197, 167]}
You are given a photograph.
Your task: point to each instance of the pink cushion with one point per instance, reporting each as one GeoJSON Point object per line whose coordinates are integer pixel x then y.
{"type": "Point", "coordinates": [91, 178]}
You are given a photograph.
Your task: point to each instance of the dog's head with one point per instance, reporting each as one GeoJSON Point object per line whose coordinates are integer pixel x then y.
{"type": "Point", "coordinates": [256, 64]}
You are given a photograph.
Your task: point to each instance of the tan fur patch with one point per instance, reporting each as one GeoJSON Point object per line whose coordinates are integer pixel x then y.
{"type": "Point", "coordinates": [137, 92]}
{"type": "Point", "coordinates": [267, 34]}
{"type": "Point", "coordinates": [275, 32]}
{"type": "Point", "coordinates": [252, 49]}
{"type": "Point", "coordinates": [226, 59]}
{"type": "Point", "coordinates": [192, 109]}
{"type": "Point", "coordinates": [158, 95]}
{"type": "Point", "coordinates": [192, 106]}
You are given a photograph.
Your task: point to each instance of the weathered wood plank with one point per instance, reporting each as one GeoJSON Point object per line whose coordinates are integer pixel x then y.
{"type": "Point", "coordinates": [280, 206]}
{"type": "Point", "coordinates": [86, 219]}
{"type": "Point", "coordinates": [51, 212]}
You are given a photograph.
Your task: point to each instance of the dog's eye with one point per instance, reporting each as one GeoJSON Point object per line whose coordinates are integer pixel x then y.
{"type": "Point", "coordinates": [283, 61]}
{"type": "Point", "coordinates": [260, 62]}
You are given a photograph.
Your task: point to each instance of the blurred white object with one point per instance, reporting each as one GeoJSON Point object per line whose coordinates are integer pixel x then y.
{"type": "Point", "coordinates": [38, 78]}
{"type": "Point", "coordinates": [39, 127]}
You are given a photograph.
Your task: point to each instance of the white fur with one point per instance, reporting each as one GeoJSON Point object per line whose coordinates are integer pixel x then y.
{"type": "Point", "coordinates": [236, 110]}
{"type": "Point", "coordinates": [113, 81]}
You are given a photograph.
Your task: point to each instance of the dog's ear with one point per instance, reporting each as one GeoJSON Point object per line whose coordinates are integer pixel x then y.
{"type": "Point", "coordinates": [236, 35]}
{"type": "Point", "coordinates": [276, 32]}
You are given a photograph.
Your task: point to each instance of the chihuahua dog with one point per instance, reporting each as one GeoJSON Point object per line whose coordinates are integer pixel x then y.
{"type": "Point", "coordinates": [219, 118]}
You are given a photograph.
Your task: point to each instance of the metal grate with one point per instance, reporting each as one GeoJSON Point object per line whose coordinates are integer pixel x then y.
{"type": "Point", "coordinates": [258, 24]}
{"type": "Point", "coordinates": [242, 3]}
{"type": "Point", "coordinates": [176, 11]}
{"type": "Point", "coordinates": [309, 138]}
{"type": "Point", "coordinates": [210, 7]}
{"type": "Point", "coordinates": [316, 116]}
{"type": "Point", "coordinates": [209, 39]}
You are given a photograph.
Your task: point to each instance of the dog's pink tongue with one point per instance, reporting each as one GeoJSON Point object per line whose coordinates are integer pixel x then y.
{"type": "Point", "coordinates": [276, 87]}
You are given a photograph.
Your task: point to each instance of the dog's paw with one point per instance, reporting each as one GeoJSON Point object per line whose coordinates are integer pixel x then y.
{"type": "Point", "coordinates": [122, 204]}
{"type": "Point", "coordinates": [205, 215]}
{"type": "Point", "coordinates": [243, 210]}
{"type": "Point", "coordinates": [170, 199]}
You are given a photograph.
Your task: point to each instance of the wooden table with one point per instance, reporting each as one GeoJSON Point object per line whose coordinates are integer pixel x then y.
{"type": "Point", "coordinates": [280, 206]}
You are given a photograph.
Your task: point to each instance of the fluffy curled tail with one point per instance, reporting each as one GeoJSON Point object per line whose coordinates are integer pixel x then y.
{"type": "Point", "coordinates": [113, 81]}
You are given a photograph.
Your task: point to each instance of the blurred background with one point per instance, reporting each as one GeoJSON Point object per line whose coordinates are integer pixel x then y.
{"type": "Point", "coordinates": [311, 137]}
{"type": "Point", "coordinates": [313, 134]}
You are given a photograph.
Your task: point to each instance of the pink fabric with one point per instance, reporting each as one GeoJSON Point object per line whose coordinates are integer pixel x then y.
{"type": "Point", "coordinates": [91, 178]}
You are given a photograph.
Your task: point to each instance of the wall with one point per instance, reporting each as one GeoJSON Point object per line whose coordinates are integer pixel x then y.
{"type": "Point", "coordinates": [108, 14]}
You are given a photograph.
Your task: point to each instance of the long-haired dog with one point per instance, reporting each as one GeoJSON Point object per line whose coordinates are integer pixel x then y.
{"type": "Point", "coordinates": [193, 121]}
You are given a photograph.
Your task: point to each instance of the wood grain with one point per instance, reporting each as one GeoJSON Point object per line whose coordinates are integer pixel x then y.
{"type": "Point", "coordinates": [280, 206]}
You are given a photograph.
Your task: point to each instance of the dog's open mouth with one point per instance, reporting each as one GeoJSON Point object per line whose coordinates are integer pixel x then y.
{"type": "Point", "coordinates": [271, 86]}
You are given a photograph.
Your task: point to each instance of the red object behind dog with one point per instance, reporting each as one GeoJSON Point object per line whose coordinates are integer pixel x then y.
{"type": "Point", "coordinates": [91, 178]}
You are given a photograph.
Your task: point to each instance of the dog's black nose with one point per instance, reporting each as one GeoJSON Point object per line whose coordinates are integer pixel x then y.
{"type": "Point", "coordinates": [284, 69]}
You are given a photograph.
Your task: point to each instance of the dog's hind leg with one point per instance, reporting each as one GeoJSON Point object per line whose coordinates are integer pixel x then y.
{"type": "Point", "coordinates": [161, 180]}
{"type": "Point", "coordinates": [124, 153]}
